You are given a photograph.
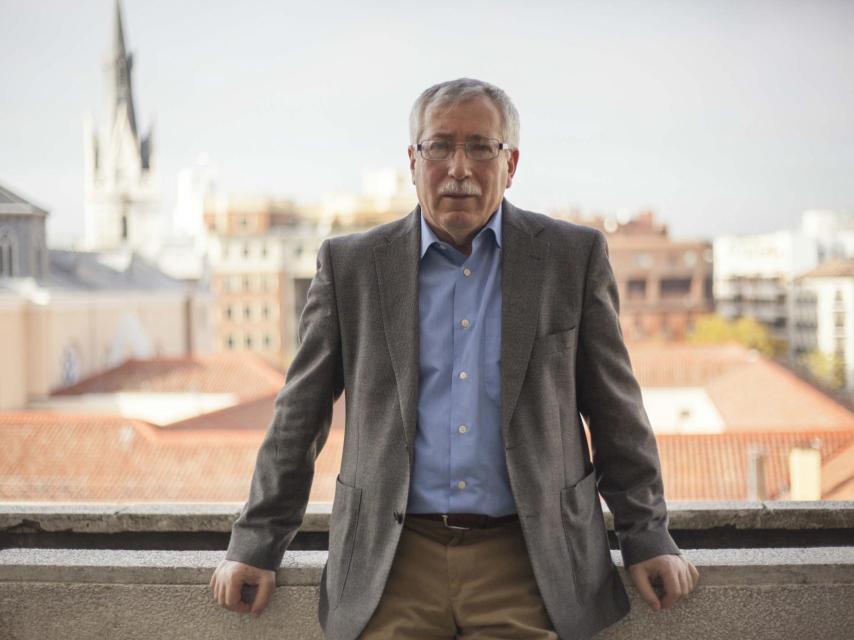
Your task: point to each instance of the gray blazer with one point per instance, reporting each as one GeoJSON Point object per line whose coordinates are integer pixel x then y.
{"type": "Point", "coordinates": [562, 356]}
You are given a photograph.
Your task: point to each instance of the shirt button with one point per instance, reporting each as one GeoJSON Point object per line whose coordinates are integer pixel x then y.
{"type": "Point", "coordinates": [466, 272]}
{"type": "Point", "coordinates": [463, 428]}
{"type": "Point", "coordinates": [465, 323]}
{"type": "Point", "coordinates": [461, 484]}
{"type": "Point", "coordinates": [463, 375]}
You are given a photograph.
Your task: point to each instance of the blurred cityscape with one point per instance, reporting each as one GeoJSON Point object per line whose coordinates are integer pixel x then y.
{"type": "Point", "coordinates": [144, 364]}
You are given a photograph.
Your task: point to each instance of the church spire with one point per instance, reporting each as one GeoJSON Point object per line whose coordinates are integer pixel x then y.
{"type": "Point", "coordinates": [122, 63]}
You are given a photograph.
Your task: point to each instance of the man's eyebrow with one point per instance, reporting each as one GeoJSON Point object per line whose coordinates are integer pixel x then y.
{"type": "Point", "coordinates": [449, 136]}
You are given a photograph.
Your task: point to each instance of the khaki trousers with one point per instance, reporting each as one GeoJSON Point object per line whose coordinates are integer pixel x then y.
{"type": "Point", "coordinates": [446, 583]}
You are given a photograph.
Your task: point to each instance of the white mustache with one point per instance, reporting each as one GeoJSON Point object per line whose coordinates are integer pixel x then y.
{"type": "Point", "coordinates": [452, 188]}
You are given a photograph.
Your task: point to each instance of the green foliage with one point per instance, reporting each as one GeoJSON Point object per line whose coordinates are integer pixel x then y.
{"type": "Point", "coordinates": [714, 329]}
{"type": "Point", "coordinates": [830, 369]}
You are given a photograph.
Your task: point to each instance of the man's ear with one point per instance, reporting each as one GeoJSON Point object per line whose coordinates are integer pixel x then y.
{"type": "Point", "coordinates": [411, 152]}
{"type": "Point", "coordinates": [512, 163]}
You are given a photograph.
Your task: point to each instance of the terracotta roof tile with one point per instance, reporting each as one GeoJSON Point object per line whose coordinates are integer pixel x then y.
{"type": "Point", "coordinates": [714, 466]}
{"type": "Point", "coordinates": [66, 457]}
{"type": "Point", "coordinates": [749, 391]}
{"type": "Point", "coordinates": [242, 373]}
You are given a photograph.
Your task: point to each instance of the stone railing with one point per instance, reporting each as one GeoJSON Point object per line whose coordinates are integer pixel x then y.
{"type": "Point", "coordinates": [767, 570]}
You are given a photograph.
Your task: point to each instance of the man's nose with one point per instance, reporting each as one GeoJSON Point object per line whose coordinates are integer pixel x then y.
{"type": "Point", "coordinates": [459, 166]}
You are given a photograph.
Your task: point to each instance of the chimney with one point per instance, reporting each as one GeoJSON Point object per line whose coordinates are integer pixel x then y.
{"type": "Point", "coordinates": [756, 489]}
{"type": "Point", "coordinates": [805, 474]}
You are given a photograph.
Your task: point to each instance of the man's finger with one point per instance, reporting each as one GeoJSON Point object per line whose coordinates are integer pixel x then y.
{"type": "Point", "coordinates": [695, 574]}
{"type": "Point", "coordinates": [644, 587]}
{"type": "Point", "coordinates": [684, 580]}
{"type": "Point", "coordinates": [262, 597]}
{"type": "Point", "coordinates": [232, 596]}
{"type": "Point", "coordinates": [672, 590]}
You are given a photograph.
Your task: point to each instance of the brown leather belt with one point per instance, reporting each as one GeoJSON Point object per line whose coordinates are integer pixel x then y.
{"type": "Point", "coordinates": [465, 521]}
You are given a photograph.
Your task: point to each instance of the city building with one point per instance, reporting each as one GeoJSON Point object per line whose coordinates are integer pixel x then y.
{"type": "Point", "coordinates": [664, 284]}
{"type": "Point", "coordinates": [67, 314]}
{"type": "Point", "coordinates": [830, 290]}
{"type": "Point", "coordinates": [754, 274]}
{"type": "Point", "coordinates": [23, 248]}
{"type": "Point", "coordinates": [262, 255]}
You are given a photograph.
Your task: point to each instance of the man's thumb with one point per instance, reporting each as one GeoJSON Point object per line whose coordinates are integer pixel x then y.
{"type": "Point", "coordinates": [646, 591]}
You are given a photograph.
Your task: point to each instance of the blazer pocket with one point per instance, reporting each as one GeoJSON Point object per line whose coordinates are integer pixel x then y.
{"type": "Point", "coordinates": [586, 536]}
{"type": "Point", "coordinates": [555, 342]}
{"type": "Point", "coordinates": [343, 526]}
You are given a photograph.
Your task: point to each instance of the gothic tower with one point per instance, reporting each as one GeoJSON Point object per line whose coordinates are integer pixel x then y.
{"type": "Point", "coordinates": [121, 195]}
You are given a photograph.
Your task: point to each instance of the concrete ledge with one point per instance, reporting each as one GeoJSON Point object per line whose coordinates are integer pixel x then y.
{"type": "Point", "coordinates": [815, 565]}
{"type": "Point", "coordinates": [66, 594]}
{"type": "Point", "coordinates": [25, 517]}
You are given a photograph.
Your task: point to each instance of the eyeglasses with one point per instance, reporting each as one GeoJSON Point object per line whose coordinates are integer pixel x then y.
{"type": "Point", "coordinates": [483, 149]}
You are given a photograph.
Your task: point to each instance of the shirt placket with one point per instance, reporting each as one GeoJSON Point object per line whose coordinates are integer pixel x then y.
{"type": "Point", "coordinates": [465, 385]}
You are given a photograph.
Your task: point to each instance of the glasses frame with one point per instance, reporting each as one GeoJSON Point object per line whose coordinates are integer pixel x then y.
{"type": "Point", "coordinates": [419, 147]}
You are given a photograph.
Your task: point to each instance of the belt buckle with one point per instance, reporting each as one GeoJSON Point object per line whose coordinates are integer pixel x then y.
{"type": "Point", "coordinates": [451, 526]}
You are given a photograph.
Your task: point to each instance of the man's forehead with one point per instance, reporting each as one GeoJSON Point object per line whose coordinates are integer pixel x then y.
{"type": "Point", "coordinates": [475, 117]}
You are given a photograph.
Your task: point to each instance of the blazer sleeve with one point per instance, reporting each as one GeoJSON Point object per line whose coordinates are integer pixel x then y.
{"type": "Point", "coordinates": [284, 467]}
{"type": "Point", "coordinates": [625, 454]}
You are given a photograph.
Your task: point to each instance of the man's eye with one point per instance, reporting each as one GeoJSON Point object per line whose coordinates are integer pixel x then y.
{"type": "Point", "coordinates": [481, 147]}
{"type": "Point", "coordinates": [439, 147]}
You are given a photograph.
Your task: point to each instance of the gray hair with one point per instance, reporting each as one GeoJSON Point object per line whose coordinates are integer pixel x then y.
{"type": "Point", "coordinates": [460, 90]}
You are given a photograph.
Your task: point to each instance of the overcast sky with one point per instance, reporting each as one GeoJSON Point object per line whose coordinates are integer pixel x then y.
{"type": "Point", "coordinates": [721, 116]}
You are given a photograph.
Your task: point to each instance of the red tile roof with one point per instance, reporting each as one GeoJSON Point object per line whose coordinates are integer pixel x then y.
{"type": "Point", "coordinates": [54, 456]}
{"type": "Point", "coordinates": [750, 392]}
{"type": "Point", "coordinates": [714, 466]}
{"type": "Point", "coordinates": [242, 373]}
{"type": "Point", "coordinates": [65, 457]}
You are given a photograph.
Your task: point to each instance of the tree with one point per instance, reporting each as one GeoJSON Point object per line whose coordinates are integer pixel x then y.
{"type": "Point", "coordinates": [714, 329]}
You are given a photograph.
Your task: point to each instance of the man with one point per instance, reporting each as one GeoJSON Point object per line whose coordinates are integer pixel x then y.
{"type": "Point", "coordinates": [470, 336]}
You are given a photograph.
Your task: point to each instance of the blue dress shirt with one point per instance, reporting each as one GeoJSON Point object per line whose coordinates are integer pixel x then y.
{"type": "Point", "coordinates": [459, 452]}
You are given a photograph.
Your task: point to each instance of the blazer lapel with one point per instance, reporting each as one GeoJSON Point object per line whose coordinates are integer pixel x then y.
{"type": "Point", "coordinates": [523, 257]}
{"type": "Point", "coordinates": [396, 262]}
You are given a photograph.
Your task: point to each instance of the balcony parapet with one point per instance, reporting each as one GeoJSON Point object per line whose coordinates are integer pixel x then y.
{"type": "Point", "coordinates": [66, 594]}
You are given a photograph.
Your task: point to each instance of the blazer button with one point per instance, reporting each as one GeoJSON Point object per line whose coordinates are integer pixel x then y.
{"type": "Point", "coordinates": [398, 516]}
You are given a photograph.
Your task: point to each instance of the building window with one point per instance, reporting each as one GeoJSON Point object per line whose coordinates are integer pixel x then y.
{"type": "Point", "coordinates": [675, 287]}
{"type": "Point", "coordinates": [245, 249]}
{"type": "Point", "coordinates": [267, 341]}
{"type": "Point", "coordinates": [244, 222]}
{"type": "Point", "coordinates": [7, 254]}
{"type": "Point", "coordinates": [228, 312]}
{"type": "Point", "coordinates": [248, 342]}
{"type": "Point", "coordinates": [265, 310]}
{"type": "Point", "coordinates": [246, 283]}
{"type": "Point", "coordinates": [264, 250]}
{"type": "Point", "coordinates": [636, 289]}
{"type": "Point", "coordinates": [229, 343]}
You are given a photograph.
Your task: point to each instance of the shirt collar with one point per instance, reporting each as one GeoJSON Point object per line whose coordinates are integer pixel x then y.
{"type": "Point", "coordinates": [428, 237]}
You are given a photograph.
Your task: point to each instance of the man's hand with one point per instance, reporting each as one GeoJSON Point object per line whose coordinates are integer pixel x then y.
{"type": "Point", "coordinates": [674, 573]}
{"type": "Point", "coordinates": [228, 580]}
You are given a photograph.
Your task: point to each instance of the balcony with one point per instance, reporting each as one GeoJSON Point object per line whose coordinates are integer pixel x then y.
{"type": "Point", "coordinates": [767, 570]}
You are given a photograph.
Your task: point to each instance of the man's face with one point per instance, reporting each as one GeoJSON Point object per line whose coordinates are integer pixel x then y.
{"type": "Point", "coordinates": [454, 216]}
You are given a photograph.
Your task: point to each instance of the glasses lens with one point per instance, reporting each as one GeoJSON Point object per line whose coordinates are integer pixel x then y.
{"type": "Point", "coordinates": [482, 149]}
{"type": "Point", "coordinates": [436, 149]}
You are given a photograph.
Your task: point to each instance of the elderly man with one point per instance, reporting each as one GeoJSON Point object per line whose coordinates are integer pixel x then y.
{"type": "Point", "coordinates": [470, 337]}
